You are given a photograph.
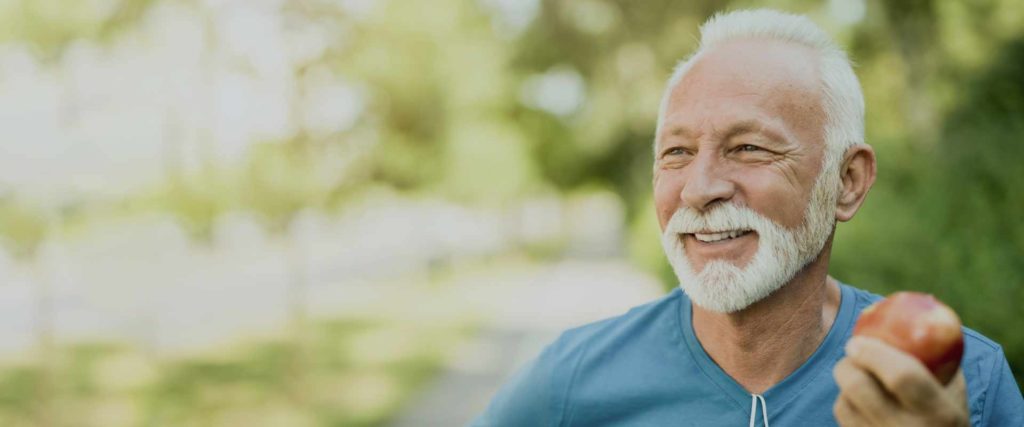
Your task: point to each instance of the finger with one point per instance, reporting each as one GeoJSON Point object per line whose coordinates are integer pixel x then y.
{"type": "Point", "coordinates": [899, 373]}
{"type": "Point", "coordinates": [956, 394]}
{"type": "Point", "coordinates": [864, 392]}
{"type": "Point", "coordinates": [846, 414]}
{"type": "Point", "coordinates": [957, 388]}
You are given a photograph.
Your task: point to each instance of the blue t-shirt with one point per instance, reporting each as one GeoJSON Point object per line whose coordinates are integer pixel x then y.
{"type": "Point", "coordinates": [646, 368]}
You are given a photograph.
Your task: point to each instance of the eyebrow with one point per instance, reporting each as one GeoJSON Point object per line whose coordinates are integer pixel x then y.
{"type": "Point", "coordinates": [683, 131]}
{"type": "Point", "coordinates": [751, 126]}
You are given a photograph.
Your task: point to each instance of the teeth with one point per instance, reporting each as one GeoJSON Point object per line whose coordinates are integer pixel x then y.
{"type": "Point", "coordinates": [714, 237]}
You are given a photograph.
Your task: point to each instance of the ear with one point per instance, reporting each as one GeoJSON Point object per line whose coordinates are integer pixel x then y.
{"type": "Point", "coordinates": [857, 175]}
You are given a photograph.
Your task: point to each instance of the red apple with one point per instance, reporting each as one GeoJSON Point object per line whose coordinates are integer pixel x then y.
{"type": "Point", "coordinates": [920, 325]}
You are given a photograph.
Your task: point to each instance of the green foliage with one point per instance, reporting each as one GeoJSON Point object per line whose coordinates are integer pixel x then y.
{"type": "Point", "coordinates": [280, 180]}
{"type": "Point", "coordinates": [946, 220]}
{"type": "Point", "coordinates": [645, 248]}
{"type": "Point", "coordinates": [395, 53]}
{"type": "Point", "coordinates": [19, 388]}
{"type": "Point", "coordinates": [254, 384]}
{"type": "Point", "coordinates": [48, 26]}
{"type": "Point", "coordinates": [22, 227]}
{"type": "Point", "coordinates": [195, 203]}
{"type": "Point", "coordinates": [624, 53]}
{"type": "Point", "coordinates": [482, 149]}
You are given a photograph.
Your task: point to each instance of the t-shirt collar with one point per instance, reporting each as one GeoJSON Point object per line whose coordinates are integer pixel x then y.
{"type": "Point", "coordinates": [779, 395]}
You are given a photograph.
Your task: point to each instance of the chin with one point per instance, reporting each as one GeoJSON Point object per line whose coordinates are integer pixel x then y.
{"type": "Point", "coordinates": [722, 287]}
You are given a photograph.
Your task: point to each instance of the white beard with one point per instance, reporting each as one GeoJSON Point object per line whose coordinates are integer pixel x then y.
{"type": "Point", "coordinates": [724, 287]}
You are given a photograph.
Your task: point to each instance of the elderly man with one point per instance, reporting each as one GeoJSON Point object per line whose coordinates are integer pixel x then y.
{"type": "Point", "coordinates": [759, 151]}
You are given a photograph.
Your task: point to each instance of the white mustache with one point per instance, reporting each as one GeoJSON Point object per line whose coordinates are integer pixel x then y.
{"type": "Point", "coordinates": [722, 217]}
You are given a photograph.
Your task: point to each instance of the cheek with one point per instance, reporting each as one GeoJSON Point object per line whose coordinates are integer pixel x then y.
{"type": "Point", "coordinates": [666, 197]}
{"type": "Point", "coordinates": [777, 199]}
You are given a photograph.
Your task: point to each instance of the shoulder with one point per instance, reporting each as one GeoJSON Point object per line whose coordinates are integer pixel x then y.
{"type": "Point", "coordinates": [982, 357]}
{"type": "Point", "coordinates": [993, 395]}
{"type": "Point", "coordinates": [539, 392]}
{"type": "Point", "coordinates": [614, 329]}
{"type": "Point", "coordinates": [636, 316]}
{"type": "Point", "coordinates": [862, 298]}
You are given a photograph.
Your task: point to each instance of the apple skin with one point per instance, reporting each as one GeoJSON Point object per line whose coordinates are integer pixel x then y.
{"type": "Point", "coordinates": [918, 324]}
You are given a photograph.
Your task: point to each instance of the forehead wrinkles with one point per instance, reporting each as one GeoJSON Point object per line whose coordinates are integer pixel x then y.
{"type": "Point", "coordinates": [781, 78]}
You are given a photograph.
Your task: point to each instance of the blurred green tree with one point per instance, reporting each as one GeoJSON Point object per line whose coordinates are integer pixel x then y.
{"type": "Point", "coordinates": [949, 222]}
{"type": "Point", "coordinates": [24, 228]}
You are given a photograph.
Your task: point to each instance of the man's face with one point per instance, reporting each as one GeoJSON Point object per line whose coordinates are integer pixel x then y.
{"type": "Point", "coordinates": [737, 161]}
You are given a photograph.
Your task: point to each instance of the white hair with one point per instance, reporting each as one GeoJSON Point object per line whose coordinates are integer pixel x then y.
{"type": "Point", "coordinates": [842, 99]}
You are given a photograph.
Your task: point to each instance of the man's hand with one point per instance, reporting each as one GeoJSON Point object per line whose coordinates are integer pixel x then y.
{"type": "Point", "coordinates": [880, 385]}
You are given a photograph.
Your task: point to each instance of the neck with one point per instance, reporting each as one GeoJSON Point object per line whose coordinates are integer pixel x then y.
{"type": "Point", "coordinates": [762, 344]}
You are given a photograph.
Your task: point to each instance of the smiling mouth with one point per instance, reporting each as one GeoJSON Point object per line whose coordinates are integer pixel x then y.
{"type": "Point", "coordinates": [719, 236]}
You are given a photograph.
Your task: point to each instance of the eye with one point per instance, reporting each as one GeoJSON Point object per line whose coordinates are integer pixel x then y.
{"type": "Point", "coordinates": [674, 151]}
{"type": "Point", "coordinates": [748, 148]}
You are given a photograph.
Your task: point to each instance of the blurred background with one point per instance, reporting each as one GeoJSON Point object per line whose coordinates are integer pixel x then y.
{"type": "Point", "coordinates": [368, 212]}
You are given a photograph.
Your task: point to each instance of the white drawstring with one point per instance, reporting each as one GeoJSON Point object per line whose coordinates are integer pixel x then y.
{"type": "Point", "coordinates": [753, 409]}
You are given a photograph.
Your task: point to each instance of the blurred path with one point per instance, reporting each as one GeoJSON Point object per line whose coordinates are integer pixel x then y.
{"type": "Point", "coordinates": [525, 314]}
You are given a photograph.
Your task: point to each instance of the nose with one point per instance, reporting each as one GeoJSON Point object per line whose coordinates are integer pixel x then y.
{"type": "Point", "coordinates": [706, 182]}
